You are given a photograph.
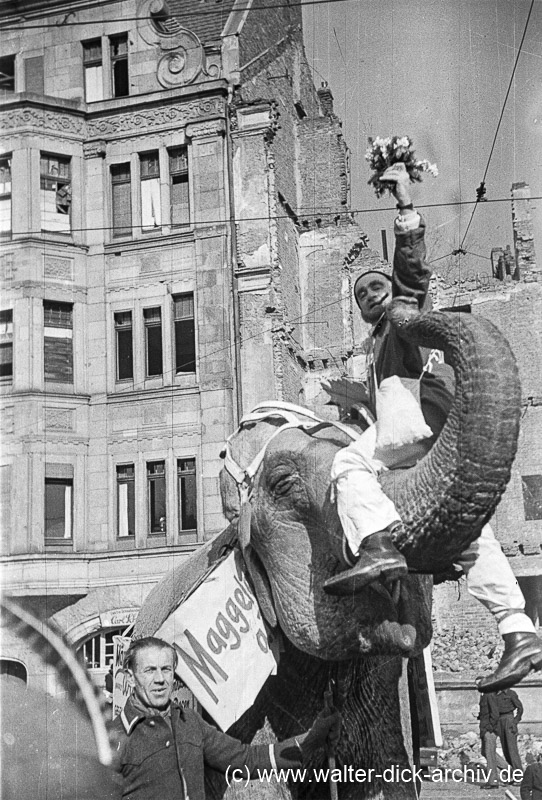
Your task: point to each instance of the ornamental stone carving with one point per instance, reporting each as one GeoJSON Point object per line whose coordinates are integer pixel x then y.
{"type": "Point", "coordinates": [58, 267]}
{"type": "Point", "coordinates": [184, 56]}
{"type": "Point", "coordinates": [182, 64]}
{"type": "Point", "coordinates": [152, 119]}
{"type": "Point", "coordinates": [58, 122]}
{"type": "Point", "coordinates": [59, 419]}
{"type": "Point", "coordinates": [211, 127]}
{"type": "Point", "coordinates": [96, 149]}
{"type": "Point", "coordinates": [155, 25]}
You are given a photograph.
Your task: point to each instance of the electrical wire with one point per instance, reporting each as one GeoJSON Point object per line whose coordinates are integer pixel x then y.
{"type": "Point", "coordinates": [500, 118]}
{"type": "Point", "coordinates": [339, 213]}
{"type": "Point", "coordinates": [105, 398]}
{"type": "Point", "coordinates": [188, 14]}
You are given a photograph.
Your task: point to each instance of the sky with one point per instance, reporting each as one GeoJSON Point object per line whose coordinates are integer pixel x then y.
{"type": "Point", "coordinates": [438, 71]}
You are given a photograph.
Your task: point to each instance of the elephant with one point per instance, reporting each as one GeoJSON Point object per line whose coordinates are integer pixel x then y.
{"type": "Point", "coordinates": [293, 538]}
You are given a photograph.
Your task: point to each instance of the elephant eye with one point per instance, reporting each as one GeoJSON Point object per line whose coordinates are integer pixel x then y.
{"type": "Point", "coordinates": [283, 483]}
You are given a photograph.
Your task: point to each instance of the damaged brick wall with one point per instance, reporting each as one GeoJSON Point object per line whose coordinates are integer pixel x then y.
{"type": "Point", "coordinates": [279, 77]}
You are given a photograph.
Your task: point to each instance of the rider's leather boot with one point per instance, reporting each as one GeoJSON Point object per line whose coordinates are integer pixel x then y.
{"type": "Point", "coordinates": [378, 559]}
{"type": "Point", "coordinates": [522, 653]}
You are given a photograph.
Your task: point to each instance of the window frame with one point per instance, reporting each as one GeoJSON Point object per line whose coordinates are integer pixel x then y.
{"type": "Point", "coordinates": [120, 328]}
{"type": "Point", "coordinates": [68, 520]}
{"type": "Point", "coordinates": [13, 60]}
{"type": "Point", "coordinates": [182, 476]}
{"type": "Point", "coordinates": [6, 196]}
{"type": "Point", "coordinates": [116, 59]}
{"type": "Point", "coordinates": [150, 192]}
{"type": "Point", "coordinates": [56, 325]}
{"type": "Point", "coordinates": [150, 324]}
{"type": "Point", "coordinates": [121, 231]}
{"type": "Point", "coordinates": [6, 342]}
{"type": "Point", "coordinates": [93, 63]}
{"type": "Point", "coordinates": [126, 480]}
{"type": "Point", "coordinates": [103, 642]}
{"type": "Point", "coordinates": [178, 322]}
{"type": "Point", "coordinates": [156, 527]}
{"type": "Point", "coordinates": [179, 172]}
{"type": "Point", "coordinates": [62, 182]}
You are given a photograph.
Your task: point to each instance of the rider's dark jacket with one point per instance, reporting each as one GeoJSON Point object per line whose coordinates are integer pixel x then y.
{"type": "Point", "coordinates": [394, 355]}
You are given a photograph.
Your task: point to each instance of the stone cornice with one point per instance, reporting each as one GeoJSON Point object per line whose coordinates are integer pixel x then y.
{"type": "Point", "coordinates": [147, 115]}
{"type": "Point", "coordinates": [59, 121]}
{"type": "Point", "coordinates": [150, 120]}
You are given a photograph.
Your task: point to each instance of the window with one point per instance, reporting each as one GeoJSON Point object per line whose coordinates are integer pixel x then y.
{"type": "Point", "coordinates": [186, 478]}
{"type": "Point", "coordinates": [58, 344]}
{"type": "Point", "coordinates": [93, 68]}
{"type": "Point", "coordinates": [178, 177]}
{"type": "Point", "coordinates": [7, 75]}
{"type": "Point", "coordinates": [532, 496]}
{"type": "Point", "coordinates": [125, 500]}
{"type": "Point", "coordinates": [99, 652]}
{"type": "Point", "coordinates": [156, 482]}
{"type": "Point", "coordinates": [125, 355]}
{"type": "Point", "coordinates": [185, 337]}
{"type": "Point", "coordinates": [5, 194]}
{"type": "Point", "coordinates": [151, 216]}
{"type": "Point", "coordinates": [58, 508]}
{"type": "Point", "coordinates": [6, 343]}
{"type": "Point", "coordinates": [121, 190]}
{"type": "Point", "coordinates": [34, 75]}
{"type": "Point", "coordinates": [56, 193]}
{"type": "Point", "coordinates": [153, 340]}
{"type": "Point", "coordinates": [119, 64]}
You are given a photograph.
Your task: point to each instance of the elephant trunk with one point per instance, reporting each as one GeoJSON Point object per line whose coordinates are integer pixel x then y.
{"type": "Point", "coordinates": [448, 497]}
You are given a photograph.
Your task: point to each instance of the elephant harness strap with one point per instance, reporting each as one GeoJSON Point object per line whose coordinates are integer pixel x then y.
{"type": "Point", "coordinates": [244, 477]}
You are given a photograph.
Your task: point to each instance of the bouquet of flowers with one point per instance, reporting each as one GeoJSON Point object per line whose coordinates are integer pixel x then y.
{"type": "Point", "coordinates": [382, 153]}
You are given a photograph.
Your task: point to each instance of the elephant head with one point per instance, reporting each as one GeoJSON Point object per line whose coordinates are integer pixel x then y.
{"type": "Point", "coordinates": [444, 501]}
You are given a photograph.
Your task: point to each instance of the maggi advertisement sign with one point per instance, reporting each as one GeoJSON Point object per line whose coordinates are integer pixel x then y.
{"type": "Point", "coordinates": [223, 647]}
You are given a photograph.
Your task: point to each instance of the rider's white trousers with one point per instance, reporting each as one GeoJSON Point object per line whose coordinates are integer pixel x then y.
{"type": "Point", "coordinates": [364, 509]}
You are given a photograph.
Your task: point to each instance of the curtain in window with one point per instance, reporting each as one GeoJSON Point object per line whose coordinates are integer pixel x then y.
{"type": "Point", "coordinates": [94, 90]}
{"type": "Point", "coordinates": [151, 215]}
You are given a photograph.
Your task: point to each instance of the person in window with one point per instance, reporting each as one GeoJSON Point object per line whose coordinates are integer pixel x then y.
{"type": "Point", "coordinates": [162, 749]}
{"type": "Point", "coordinates": [63, 198]}
{"type": "Point", "coordinates": [369, 518]}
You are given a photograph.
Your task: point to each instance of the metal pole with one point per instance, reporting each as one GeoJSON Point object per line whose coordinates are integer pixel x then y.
{"type": "Point", "coordinates": [331, 761]}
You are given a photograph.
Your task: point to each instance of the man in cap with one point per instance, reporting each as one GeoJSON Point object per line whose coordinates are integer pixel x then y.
{"type": "Point", "coordinates": [531, 785]}
{"type": "Point", "coordinates": [162, 749]}
{"type": "Point", "coordinates": [368, 516]}
{"type": "Point", "coordinates": [500, 713]}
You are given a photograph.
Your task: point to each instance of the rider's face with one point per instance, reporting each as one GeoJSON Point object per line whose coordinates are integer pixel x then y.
{"type": "Point", "coordinates": [373, 293]}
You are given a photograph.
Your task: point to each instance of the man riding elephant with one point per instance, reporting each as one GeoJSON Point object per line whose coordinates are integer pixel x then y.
{"type": "Point", "coordinates": [279, 498]}
{"type": "Point", "coordinates": [370, 519]}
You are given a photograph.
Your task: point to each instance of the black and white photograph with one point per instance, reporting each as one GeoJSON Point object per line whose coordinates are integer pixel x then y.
{"type": "Point", "coordinates": [270, 399]}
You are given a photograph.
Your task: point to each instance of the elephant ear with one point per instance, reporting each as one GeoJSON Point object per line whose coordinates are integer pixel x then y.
{"type": "Point", "coordinates": [255, 568]}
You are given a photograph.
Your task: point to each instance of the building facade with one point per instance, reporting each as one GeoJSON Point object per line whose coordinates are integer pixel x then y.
{"type": "Point", "coordinates": [170, 179]}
